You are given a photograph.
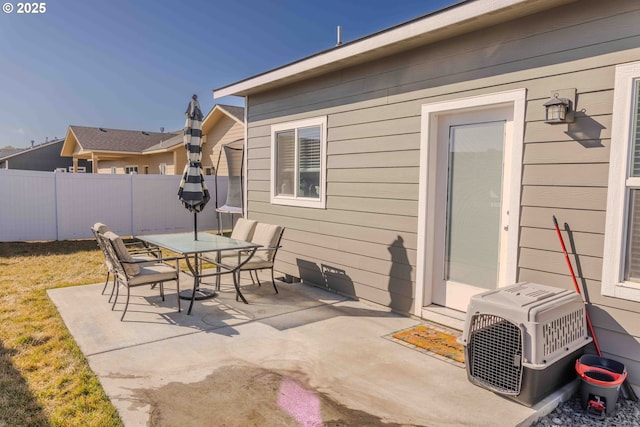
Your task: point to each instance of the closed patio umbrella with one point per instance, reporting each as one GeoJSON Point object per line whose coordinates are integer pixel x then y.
{"type": "Point", "coordinates": [193, 192]}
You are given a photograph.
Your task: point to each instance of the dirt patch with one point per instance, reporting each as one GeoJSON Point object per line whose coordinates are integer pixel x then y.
{"type": "Point", "coordinates": [249, 396]}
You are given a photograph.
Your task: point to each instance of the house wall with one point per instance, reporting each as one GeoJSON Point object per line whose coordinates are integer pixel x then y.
{"type": "Point", "coordinates": [43, 158]}
{"type": "Point", "coordinates": [225, 130]}
{"type": "Point", "coordinates": [364, 243]}
{"type": "Point", "coordinates": [151, 160]}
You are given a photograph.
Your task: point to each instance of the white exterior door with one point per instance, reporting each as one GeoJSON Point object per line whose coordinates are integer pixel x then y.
{"type": "Point", "coordinates": [471, 216]}
{"type": "Point", "coordinates": [471, 181]}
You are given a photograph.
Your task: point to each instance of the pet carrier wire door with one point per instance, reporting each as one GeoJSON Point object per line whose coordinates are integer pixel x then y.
{"type": "Point", "coordinates": [495, 353]}
{"type": "Point", "coordinates": [522, 340]}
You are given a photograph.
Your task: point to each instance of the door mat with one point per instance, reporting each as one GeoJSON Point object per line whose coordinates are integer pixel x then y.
{"type": "Point", "coordinates": [433, 341]}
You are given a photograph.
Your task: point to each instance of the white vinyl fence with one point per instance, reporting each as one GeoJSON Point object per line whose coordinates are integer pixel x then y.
{"type": "Point", "coordinates": [61, 206]}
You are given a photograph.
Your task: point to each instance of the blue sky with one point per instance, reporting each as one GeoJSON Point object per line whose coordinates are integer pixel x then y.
{"type": "Point", "coordinates": [135, 64]}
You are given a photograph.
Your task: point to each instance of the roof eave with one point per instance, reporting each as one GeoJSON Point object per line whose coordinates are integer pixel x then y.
{"type": "Point", "coordinates": [454, 20]}
{"type": "Point", "coordinates": [166, 149]}
{"type": "Point", "coordinates": [215, 115]}
{"type": "Point", "coordinates": [70, 139]}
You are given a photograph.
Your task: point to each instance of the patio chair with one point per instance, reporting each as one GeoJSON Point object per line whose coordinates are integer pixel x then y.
{"type": "Point", "coordinates": [268, 236]}
{"type": "Point", "coordinates": [131, 273]}
{"type": "Point", "coordinates": [243, 230]}
{"type": "Point", "coordinates": [139, 254]}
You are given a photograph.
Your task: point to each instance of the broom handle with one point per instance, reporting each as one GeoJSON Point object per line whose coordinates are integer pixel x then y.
{"type": "Point", "coordinates": [575, 284]}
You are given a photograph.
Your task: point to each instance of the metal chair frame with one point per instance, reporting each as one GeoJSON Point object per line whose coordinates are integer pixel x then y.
{"type": "Point", "coordinates": [124, 279]}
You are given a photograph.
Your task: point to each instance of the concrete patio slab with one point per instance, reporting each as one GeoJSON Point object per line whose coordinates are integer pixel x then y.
{"type": "Point", "coordinates": [305, 356]}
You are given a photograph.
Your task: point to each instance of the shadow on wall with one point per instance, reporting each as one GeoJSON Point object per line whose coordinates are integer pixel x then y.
{"type": "Point", "coordinates": [624, 348]}
{"type": "Point", "coordinates": [586, 131]}
{"type": "Point", "coordinates": [400, 287]}
{"type": "Point", "coordinates": [327, 276]}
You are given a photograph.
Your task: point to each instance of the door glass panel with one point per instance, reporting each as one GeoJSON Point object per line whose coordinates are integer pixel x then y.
{"type": "Point", "coordinates": [474, 200]}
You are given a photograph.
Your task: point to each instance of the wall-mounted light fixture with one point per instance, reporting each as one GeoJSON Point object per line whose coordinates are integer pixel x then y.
{"type": "Point", "coordinates": [560, 109]}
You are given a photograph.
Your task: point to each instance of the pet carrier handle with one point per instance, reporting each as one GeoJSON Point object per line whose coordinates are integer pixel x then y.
{"type": "Point", "coordinates": [575, 284]}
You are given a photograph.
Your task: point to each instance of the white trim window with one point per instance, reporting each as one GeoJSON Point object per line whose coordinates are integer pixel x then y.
{"type": "Point", "coordinates": [131, 169]}
{"type": "Point", "coordinates": [621, 260]}
{"type": "Point", "coordinates": [298, 163]}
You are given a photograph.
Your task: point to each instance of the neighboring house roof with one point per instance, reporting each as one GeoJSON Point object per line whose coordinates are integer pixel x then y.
{"type": "Point", "coordinates": [218, 112]}
{"type": "Point", "coordinates": [101, 139]}
{"type": "Point", "coordinates": [6, 153]}
{"type": "Point", "coordinates": [236, 112]}
{"type": "Point", "coordinates": [176, 140]}
{"type": "Point", "coordinates": [9, 152]}
{"type": "Point", "coordinates": [82, 141]}
{"type": "Point", "coordinates": [459, 18]}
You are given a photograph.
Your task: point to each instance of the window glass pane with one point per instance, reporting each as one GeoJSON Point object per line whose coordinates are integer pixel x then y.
{"type": "Point", "coordinates": [285, 166]}
{"type": "Point", "coordinates": [632, 270]}
{"type": "Point", "coordinates": [309, 162]}
{"type": "Point", "coordinates": [635, 136]}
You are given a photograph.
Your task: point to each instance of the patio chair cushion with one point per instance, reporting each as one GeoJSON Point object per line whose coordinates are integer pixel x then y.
{"type": "Point", "coordinates": [123, 254]}
{"type": "Point", "coordinates": [157, 272]}
{"type": "Point", "coordinates": [266, 235]}
{"type": "Point", "coordinates": [244, 229]}
{"type": "Point", "coordinates": [256, 263]}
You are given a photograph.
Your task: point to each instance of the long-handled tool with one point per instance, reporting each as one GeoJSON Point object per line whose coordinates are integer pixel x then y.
{"type": "Point", "coordinates": [575, 284]}
{"type": "Point", "coordinates": [627, 389]}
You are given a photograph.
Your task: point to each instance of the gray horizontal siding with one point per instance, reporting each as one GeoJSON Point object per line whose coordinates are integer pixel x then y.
{"type": "Point", "coordinates": [374, 160]}
{"type": "Point", "coordinates": [465, 59]}
{"type": "Point", "coordinates": [357, 233]}
{"type": "Point", "coordinates": [373, 115]}
{"type": "Point", "coordinates": [406, 175]}
{"type": "Point", "coordinates": [375, 144]}
{"type": "Point", "coordinates": [567, 152]}
{"type": "Point", "coordinates": [586, 198]}
{"type": "Point", "coordinates": [590, 244]}
{"type": "Point", "coordinates": [579, 220]}
{"type": "Point", "coordinates": [568, 174]}
{"type": "Point", "coordinates": [351, 215]}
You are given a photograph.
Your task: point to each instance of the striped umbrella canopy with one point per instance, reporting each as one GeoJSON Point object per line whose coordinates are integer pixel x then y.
{"type": "Point", "coordinates": [193, 192]}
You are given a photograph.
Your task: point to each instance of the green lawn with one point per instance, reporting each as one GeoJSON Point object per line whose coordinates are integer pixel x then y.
{"type": "Point", "coordinates": [44, 378]}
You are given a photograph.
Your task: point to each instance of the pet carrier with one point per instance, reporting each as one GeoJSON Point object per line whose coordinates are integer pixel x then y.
{"type": "Point", "coordinates": [522, 340]}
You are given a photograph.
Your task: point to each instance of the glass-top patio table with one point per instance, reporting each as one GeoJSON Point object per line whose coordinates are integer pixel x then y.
{"type": "Point", "coordinates": [185, 244]}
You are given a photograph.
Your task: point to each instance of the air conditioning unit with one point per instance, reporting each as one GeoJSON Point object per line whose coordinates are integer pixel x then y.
{"type": "Point", "coordinates": [522, 340]}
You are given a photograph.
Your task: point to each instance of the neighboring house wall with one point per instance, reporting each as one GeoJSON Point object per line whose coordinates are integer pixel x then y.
{"type": "Point", "coordinates": [365, 242]}
{"type": "Point", "coordinates": [226, 130]}
{"type": "Point", "coordinates": [44, 157]}
{"type": "Point", "coordinates": [220, 129]}
{"type": "Point", "coordinates": [153, 161]}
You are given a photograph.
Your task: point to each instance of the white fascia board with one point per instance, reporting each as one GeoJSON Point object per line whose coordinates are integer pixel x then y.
{"type": "Point", "coordinates": [429, 24]}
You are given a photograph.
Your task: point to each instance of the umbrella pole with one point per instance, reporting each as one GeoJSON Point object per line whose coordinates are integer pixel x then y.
{"type": "Point", "coordinates": [195, 226]}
